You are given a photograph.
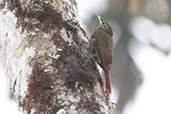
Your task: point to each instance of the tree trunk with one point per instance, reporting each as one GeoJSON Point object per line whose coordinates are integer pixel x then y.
{"type": "Point", "coordinates": [43, 51]}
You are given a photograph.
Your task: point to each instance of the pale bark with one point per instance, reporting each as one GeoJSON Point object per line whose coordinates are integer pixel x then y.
{"type": "Point", "coordinates": [43, 51]}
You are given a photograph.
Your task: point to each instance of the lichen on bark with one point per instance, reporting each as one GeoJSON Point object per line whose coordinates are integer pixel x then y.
{"type": "Point", "coordinates": [46, 62]}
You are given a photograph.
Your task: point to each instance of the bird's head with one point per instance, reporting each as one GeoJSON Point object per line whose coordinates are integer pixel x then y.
{"type": "Point", "coordinates": [104, 25]}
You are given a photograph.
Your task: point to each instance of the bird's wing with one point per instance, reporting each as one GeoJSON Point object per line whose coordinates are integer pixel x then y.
{"type": "Point", "coordinates": [105, 51]}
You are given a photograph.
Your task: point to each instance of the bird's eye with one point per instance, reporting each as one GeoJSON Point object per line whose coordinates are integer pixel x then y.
{"type": "Point", "coordinates": [104, 24]}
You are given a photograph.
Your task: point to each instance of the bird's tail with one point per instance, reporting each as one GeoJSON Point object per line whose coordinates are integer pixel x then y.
{"type": "Point", "coordinates": [107, 79]}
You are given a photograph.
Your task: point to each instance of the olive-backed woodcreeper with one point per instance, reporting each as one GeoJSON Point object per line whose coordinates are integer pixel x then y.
{"type": "Point", "coordinates": [100, 48]}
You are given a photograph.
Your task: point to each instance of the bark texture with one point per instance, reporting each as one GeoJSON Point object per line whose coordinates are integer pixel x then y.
{"type": "Point", "coordinates": [43, 51]}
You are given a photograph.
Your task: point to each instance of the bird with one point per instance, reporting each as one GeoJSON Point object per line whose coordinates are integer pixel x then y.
{"type": "Point", "coordinates": [101, 48]}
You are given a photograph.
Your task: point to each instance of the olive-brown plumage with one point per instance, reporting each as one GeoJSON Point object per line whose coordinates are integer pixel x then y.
{"type": "Point", "coordinates": [100, 48]}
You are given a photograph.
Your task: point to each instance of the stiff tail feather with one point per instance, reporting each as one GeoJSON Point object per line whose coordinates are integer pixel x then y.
{"type": "Point", "coordinates": [107, 79]}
